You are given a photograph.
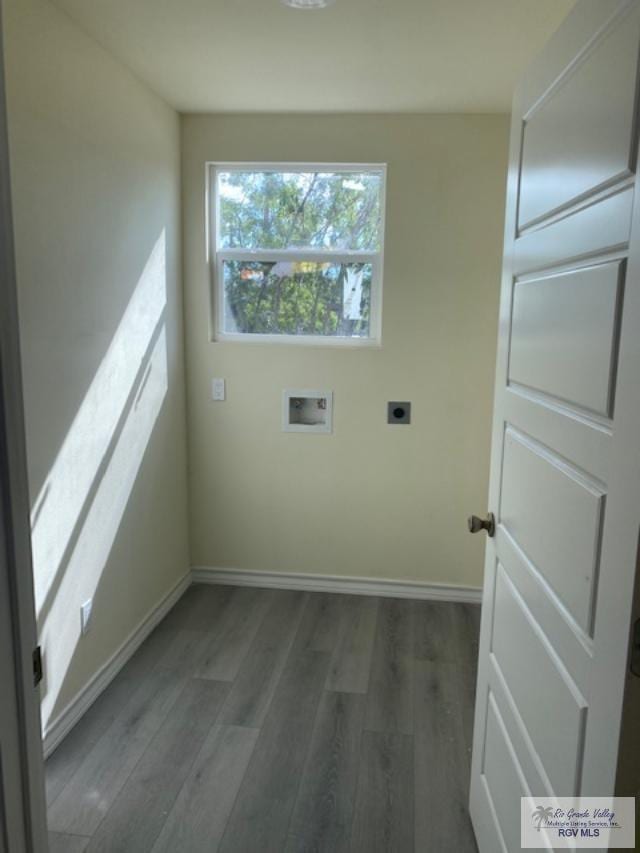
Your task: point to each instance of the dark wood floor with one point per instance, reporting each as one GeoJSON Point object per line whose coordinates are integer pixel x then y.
{"type": "Point", "coordinates": [256, 720]}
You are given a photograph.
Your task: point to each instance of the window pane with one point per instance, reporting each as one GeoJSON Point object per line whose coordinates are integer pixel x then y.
{"type": "Point", "coordinates": [310, 210]}
{"type": "Point", "coordinates": [297, 298]}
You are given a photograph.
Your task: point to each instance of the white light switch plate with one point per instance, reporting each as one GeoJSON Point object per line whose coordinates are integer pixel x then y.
{"type": "Point", "coordinates": [218, 389]}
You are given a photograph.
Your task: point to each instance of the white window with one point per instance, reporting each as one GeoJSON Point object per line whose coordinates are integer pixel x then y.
{"type": "Point", "coordinates": [298, 252]}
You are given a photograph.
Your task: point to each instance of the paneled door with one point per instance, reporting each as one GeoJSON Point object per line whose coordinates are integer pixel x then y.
{"type": "Point", "coordinates": [565, 468]}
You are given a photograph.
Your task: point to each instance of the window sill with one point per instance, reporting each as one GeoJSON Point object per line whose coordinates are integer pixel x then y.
{"type": "Point", "coordinates": [298, 340]}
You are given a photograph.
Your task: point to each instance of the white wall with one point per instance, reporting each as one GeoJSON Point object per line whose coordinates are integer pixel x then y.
{"type": "Point", "coordinates": [370, 500]}
{"type": "Point", "coordinates": [95, 174]}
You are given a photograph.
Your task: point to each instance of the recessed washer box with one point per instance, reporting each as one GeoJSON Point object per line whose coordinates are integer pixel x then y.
{"type": "Point", "coordinates": [307, 411]}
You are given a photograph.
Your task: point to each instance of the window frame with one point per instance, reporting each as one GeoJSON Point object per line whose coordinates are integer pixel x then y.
{"type": "Point", "coordinates": [216, 257]}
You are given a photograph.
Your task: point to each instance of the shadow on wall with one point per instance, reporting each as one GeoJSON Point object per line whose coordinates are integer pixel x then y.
{"type": "Point", "coordinates": [78, 512]}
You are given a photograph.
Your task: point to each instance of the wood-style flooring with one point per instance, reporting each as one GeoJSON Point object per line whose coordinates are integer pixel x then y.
{"type": "Point", "coordinates": [274, 721]}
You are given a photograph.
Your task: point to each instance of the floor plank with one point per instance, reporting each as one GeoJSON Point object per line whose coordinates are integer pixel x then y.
{"type": "Point", "coordinates": [466, 627]}
{"type": "Point", "coordinates": [200, 608]}
{"type": "Point", "coordinates": [61, 843]}
{"type": "Point", "coordinates": [434, 631]}
{"type": "Point", "coordinates": [323, 812]}
{"type": "Point", "coordinates": [237, 628]}
{"type": "Point", "coordinates": [442, 756]}
{"type": "Point", "coordinates": [390, 699]}
{"type": "Point", "coordinates": [261, 815]}
{"type": "Point", "coordinates": [185, 652]}
{"type": "Point", "coordinates": [86, 799]}
{"type": "Point", "coordinates": [105, 768]}
{"type": "Point", "coordinates": [198, 819]}
{"type": "Point", "coordinates": [249, 698]}
{"type": "Point", "coordinates": [351, 661]}
{"type": "Point", "coordinates": [321, 623]}
{"type": "Point", "coordinates": [447, 631]}
{"type": "Point", "coordinates": [138, 814]}
{"type": "Point", "coordinates": [62, 764]}
{"type": "Point", "coordinates": [384, 816]}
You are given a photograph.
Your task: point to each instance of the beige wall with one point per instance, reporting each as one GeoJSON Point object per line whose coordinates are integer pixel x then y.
{"type": "Point", "coordinates": [95, 173]}
{"type": "Point", "coordinates": [370, 500]}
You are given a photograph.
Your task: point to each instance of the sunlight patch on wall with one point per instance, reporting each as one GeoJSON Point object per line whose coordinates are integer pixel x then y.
{"type": "Point", "coordinates": [58, 506]}
{"type": "Point", "coordinates": [78, 513]}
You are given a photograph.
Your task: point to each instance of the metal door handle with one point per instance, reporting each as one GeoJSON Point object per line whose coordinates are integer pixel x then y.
{"type": "Point", "coordinates": [476, 524]}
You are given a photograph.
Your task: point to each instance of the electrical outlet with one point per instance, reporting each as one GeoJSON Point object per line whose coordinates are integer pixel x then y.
{"type": "Point", "coordinates": [85, 615]}
{"type": "Point", "coordinates": [218, 389]}
{"type": "Point", "coordinates": [398, 413]}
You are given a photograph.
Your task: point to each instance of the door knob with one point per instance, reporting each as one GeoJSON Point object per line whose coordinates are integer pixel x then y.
{"type": "Point", "coordinates": [476, 524]}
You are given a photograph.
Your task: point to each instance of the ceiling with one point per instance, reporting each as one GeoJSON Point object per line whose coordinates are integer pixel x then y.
{"type": "Point", "coordinates": [357, 55]}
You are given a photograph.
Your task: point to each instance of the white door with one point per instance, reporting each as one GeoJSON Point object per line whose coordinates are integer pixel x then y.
{"type": "Point", "coordinates": [565, 469]}
{"type": "Point", "coordinates": [22, 809]}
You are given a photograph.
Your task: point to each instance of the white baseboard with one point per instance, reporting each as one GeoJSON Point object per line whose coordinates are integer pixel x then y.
{"type": "Point", "coordinates": [80, 704]}
{"type": "Point", "coordinates": [338, 583]}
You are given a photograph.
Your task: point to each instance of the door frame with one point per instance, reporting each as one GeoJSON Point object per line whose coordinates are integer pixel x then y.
{"type": "Point", "coordinates": [14, 516]}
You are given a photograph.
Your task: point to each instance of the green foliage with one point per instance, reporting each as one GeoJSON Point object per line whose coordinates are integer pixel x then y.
{"type": "Point", "coordinates": [311, 210]}
{"type": "Point", "coordinates": [297, 298]}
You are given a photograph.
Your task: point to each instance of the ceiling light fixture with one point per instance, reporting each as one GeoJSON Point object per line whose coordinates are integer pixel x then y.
{"type": "Point", "coordinates": [308, 4]}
